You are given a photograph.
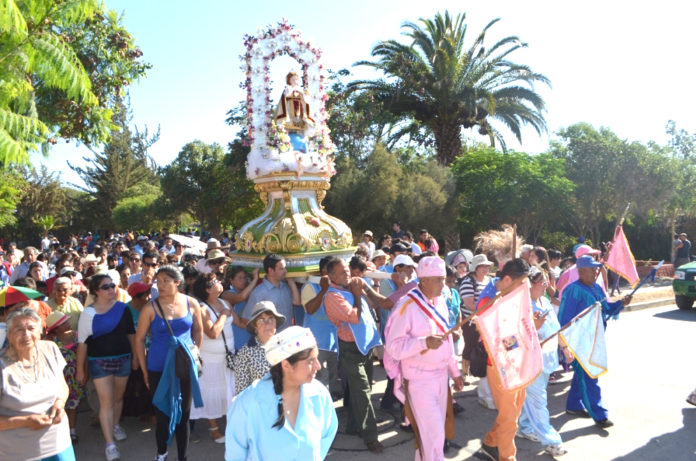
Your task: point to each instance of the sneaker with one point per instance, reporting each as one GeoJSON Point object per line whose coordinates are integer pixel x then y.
{"type": "Point", "coordinates": [486, 404]}
{"type": "Point", "coordinates": [604, 423]}
{"type": "Point", "coordinates": [112, 453]}
{"type": "Point", "coordinates": [456, 408]}
{"type": "Point", "coordinates": [119, 433]}
{"type": "Point", "coordinates": [489, 452]}
{"type": "Point", "coordinates": [161, 457]}
{"type": "Point", "coordinates": [555, 450]}
{"type": "Point", "coordinates": [579, 413]}
{"type": "Point", "coordinates": [528, 436]}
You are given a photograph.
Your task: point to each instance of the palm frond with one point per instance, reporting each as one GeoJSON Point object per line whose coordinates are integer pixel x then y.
{"type": "Point", "coordinates": [22, 127]}
{"type": "Point", "coordinates": [13, 151]}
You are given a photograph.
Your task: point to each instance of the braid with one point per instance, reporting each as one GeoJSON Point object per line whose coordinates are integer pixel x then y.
{"type": "Point", "coordinates": [277, 377]}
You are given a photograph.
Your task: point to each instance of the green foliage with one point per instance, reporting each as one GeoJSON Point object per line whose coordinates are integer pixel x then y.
{"type": "Point", "coordinates": [610, 172]}
{"type": "Point", "coordinates": [495, 188]}
{"type": "Point", "coordinates": [12, 186]}
{"type": "Point", "coordinates": [384, 190]}
{"type": "Point", "coordinates": [138, 211]}
{"type": "Point", "coordinates": [436, 86]}
{"type": "Point", "coordinates": [202, 181]}
{"type": "Point", "coordinates": [46, 88]}
{"type": "Point", "coordinates": [123, 164]}
{"type": "Point", "coordinates": [43, 203]}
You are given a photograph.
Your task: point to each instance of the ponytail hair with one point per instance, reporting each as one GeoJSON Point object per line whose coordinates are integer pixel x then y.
{"type": "Point", "coordinates": [277, 378]}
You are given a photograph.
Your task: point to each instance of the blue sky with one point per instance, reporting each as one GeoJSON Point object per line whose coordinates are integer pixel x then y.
{"type": "Point", "coordinates": [624, 65]}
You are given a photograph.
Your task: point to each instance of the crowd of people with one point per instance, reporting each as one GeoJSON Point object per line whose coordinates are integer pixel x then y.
{"type": "Point", "coordinates": [121, 312]}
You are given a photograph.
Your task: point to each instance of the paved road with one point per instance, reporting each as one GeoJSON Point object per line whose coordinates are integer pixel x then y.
{"type": "Point", "coordinates": [650, 373]}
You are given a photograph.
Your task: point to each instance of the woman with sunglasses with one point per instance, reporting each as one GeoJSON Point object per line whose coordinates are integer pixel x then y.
{"type": "Point", "coordinates": [105, 342]}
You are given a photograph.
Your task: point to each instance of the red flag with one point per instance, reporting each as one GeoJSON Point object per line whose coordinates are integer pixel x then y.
{"type": "Point", "coordinates": [511, 339]}
{"type": "Point", "coordinates": [621, 259]}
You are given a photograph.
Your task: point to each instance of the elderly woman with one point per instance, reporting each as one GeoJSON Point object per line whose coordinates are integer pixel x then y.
{"type": "Point", "coordinates": [62, 302]}
{"type": "Point", "coordinates": [106, 333]}
{"type": "Point", "coordinates": [288, 414]}
{"type": "Point", "coordinates": [250, 362]}
{"type": "Point", "coordinates": [183, 314]}
{"type": "Point", "coordinates": [33, 423]}
{"type": "Point", "coordinates": [216, 350]}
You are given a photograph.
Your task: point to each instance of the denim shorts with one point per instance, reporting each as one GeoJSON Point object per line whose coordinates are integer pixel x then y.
{"type": "Point", "coordinates": [111, 366]}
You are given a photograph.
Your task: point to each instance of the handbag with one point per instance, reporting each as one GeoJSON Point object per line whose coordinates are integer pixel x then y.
{"type": "Point", "coordinates": [229, 356]}
{"type": "Point", "coordinates": [182, 360]}
{"type": "Point", "coordinates": [479, 359]}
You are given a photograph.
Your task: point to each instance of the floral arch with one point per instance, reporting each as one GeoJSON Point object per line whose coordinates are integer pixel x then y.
{"type": "Point", "coordinates": [270, 152]}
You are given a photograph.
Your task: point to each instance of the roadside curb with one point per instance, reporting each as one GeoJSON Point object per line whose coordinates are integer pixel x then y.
{"type": "Point", "coordinates": [649, 304]}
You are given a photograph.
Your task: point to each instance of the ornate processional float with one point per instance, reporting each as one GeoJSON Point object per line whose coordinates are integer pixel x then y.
{"type": "Point", "coordinates": [291, 158]}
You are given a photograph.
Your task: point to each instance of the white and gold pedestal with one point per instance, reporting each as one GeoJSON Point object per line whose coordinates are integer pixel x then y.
{"type": "Point", "coordinates": [293, 224]}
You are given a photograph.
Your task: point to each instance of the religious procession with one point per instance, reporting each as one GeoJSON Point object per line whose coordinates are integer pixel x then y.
{"type": "Point", "coordinates": [292, 337]}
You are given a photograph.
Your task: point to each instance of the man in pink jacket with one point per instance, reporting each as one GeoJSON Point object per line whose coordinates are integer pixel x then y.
{"type": "Point", "coordinates": [418, 322]}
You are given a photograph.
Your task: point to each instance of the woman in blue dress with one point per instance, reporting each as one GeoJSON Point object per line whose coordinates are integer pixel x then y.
{"type": "Point", "coordinates": [287, 415]}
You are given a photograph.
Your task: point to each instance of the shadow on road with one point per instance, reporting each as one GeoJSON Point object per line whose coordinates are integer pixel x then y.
{"type": "Point", "coordinates": [678, 314]}
{"type": "Point", "coordinates": [679, 444]}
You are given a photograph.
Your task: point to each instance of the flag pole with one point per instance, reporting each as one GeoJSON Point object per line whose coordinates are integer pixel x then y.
{"type": "Point", "coordinates": [645, 279]}
{"type": "Point", "coordinates": [515, 283]}
{"type": "Point", "coordinates": [514, 241]}
{"type": "Point", "coordinates": [572, 321]}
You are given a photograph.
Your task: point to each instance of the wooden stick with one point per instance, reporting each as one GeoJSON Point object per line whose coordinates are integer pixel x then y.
{"type": "Point", "coordinates": [515, 283]}
{"type": "Point", "coordinates": [572, 321]}
{"type": "Point", "coordinates": [623, 216]}
{"type": "Point", "coordinates": [514, 241]}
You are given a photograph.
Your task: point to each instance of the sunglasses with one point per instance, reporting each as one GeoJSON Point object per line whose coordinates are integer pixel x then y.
{"type": "Point", "coordinates": [135, 260]}
{"type": "Point", "coordinates": [268, 320]}
{"type": "Point", "coordinates": [150, 264]}
{"type": "Point", "coordinates": [108, 286]}
{"type": "Point", "coordinates": [216, 262]}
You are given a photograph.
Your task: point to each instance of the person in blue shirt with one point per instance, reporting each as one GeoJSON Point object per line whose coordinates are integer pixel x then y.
{"type": "Point", "coordinates": [584, 397]}
{"type": "Point", "coordinates": [287, 415]}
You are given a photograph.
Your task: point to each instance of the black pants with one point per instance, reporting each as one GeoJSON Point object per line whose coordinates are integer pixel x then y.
{"type": "Point", "coordinates": [182, 431]}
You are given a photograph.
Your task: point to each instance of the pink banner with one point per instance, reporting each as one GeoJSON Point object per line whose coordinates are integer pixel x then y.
{"type": "Point", "coordinates": [621, 259]}
{"type": "Point", "coordinates": [511, 339]}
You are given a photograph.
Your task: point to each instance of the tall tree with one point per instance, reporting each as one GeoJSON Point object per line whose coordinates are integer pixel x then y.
{"type": "Point", "coordinates": [123, 164]}
{"type": "Point", "coordinates": [437, 84]}
{"type": "Point", "coordinates": [609, 172]}
{"type": "Point", "coordinates": [44, 199]}
{"type": "Point", "coordinates": [45, 89]}
{"type": "Point", "coordinates": [495, 188]}
{"type": "Point", "coordinates": [200, 182]}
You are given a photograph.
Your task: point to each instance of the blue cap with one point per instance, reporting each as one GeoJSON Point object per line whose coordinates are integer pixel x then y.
{"type": "Point", "coordinates": [587, 261]}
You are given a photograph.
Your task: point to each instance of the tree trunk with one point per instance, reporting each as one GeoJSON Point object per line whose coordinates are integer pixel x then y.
{"type": "Point", "coordinates": [448, 142]}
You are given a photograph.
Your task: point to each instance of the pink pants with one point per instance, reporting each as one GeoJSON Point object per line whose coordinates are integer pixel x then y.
{"type": "Point", "coordinates": [428, 399]}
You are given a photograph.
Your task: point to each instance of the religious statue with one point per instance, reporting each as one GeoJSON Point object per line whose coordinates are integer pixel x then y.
{"type": "Point", "coordinates": [293, 112]}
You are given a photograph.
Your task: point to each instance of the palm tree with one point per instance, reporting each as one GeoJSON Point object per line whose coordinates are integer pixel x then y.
{"type": "Point", "coordinates": [437, 84]}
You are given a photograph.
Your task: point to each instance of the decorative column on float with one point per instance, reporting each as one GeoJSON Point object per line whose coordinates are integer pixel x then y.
{"type": "Point", "coordinates": [291, 158]}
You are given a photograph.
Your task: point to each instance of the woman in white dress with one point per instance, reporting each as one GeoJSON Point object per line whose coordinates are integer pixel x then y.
{"type": "Point", "coordinates": [217, 379]}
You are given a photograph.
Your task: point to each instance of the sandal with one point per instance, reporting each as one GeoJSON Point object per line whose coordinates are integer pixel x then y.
{"type": "Point", "coordinates": [216, 435]}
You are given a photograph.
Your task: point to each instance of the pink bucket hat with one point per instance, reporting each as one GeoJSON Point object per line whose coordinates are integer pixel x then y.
{"type": "Point", "coordinates": [586, 250]}
{"type": "Point", "coordinates": [431, 266]}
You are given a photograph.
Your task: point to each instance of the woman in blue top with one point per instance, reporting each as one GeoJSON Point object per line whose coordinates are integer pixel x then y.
{"type": "Point", "coordinates": [288, 414]}
{"type": "Point", "coordinates": [105, 337]}
{"type": "Point", "coordinates": [237, 291]}
{"type": "Point", "coordinates": [184, 316]}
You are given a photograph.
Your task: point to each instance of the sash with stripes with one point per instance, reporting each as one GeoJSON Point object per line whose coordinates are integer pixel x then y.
{"type": "Point", "coordinates": [428, 309]}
